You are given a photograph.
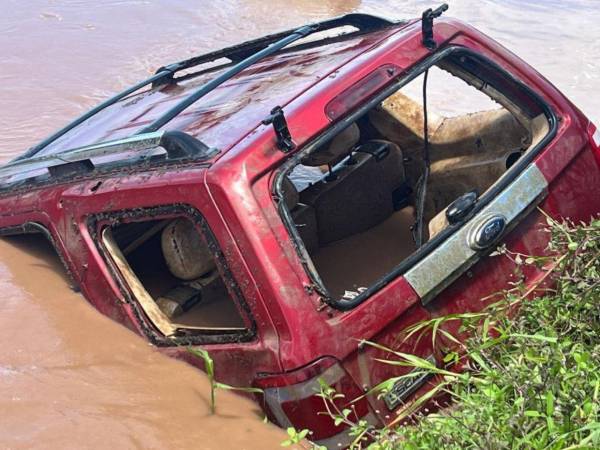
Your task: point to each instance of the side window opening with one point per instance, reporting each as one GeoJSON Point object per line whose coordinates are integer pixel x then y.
{"type": "Point", "coordinates": [353, 200]}
{"type": "Point", "coordinates": [172, 272]}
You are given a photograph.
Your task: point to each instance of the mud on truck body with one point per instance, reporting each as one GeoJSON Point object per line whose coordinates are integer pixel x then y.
{"type": "Point", "coordinates": [279, 201]}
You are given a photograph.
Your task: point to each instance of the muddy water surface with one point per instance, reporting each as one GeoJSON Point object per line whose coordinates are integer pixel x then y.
{"type": "Point", "coordinates": [70, 378]}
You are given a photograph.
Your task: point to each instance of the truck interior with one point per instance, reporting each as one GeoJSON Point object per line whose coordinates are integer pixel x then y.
{"type": "Point", "coordinates": [358, 201]}
{"type": "Point", "coordinates": [172, 272]}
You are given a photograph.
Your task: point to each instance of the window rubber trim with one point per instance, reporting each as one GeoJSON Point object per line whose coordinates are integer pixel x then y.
{"type": "Point", "coordinates": [427, 248]}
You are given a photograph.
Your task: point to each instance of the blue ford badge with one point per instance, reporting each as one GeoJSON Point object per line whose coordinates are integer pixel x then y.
{"type": "Point", "coordinates": [487, 232]}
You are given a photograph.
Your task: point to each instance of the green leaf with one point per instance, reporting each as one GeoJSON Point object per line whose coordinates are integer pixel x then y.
{"type": "Point", "coordinates": [452, 356]}
{"type": "Point", "coordinates": [549, 403]}
{"type": "Point", "coordinates": [240, 389]}
{"type": "Point", "coordinates": [208, 361]}
{"type": "Point", "coordinates": [302, 434]}
{"type": "Point", "coordinates": [536, 337]}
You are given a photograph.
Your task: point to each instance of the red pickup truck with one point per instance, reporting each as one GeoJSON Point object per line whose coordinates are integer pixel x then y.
{"type": "Point", "coordinates": [278, 201]}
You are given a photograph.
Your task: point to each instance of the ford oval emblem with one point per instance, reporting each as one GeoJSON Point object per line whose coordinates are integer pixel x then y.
{"type": "Point", "coordinates": [487, 232]}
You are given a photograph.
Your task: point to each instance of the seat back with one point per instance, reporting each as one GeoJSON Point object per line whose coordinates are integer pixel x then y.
{"type": "Point", "coordinates": [303, 215]}
{"type": "Point", "coordinates": [186, 254]}
{"type": "Point", "coordinates": [335, 150]}
{"type": "Point", "coordinates": [359, 193]}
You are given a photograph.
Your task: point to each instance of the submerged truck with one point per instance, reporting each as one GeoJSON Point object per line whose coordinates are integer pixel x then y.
{"type": "Point", "coordinates": [279, 201]}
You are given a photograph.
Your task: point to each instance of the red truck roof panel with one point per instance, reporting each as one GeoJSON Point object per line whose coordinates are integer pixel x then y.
{"type": "Point", "coordinates": [232, 110]}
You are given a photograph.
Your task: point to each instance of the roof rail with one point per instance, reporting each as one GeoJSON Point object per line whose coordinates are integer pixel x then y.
{"type": "Point", "coordinates": [236, 54]}
{"type": "Point", "coordinates": [233, 71]}
{"type": "Point", "coordinates": [239, 52]}
{"type": "Point", "coordinates": [257, 50]}
{"type": "Point", "coordinates": [33, 150]}
{"type": "Point", "coordinates": [177, 144]}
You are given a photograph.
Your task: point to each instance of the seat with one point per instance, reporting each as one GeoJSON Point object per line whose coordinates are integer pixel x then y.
{"type": "Point", "coordinates": [334, 151]}
{"type": "Point", "coordinates": [186, 254]}
{"type": "Point", "coordinates": [359, 192]}
{"type": "Point", "coordinates": [189, 259]}
{"type": "Point", "coordinates": [437, 224]}
{"type": "Point", "coordinates": [303, 215]}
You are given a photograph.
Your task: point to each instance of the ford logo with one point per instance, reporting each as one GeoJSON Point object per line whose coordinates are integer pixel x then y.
{"type": "Point", "coordinates": [487, 232]}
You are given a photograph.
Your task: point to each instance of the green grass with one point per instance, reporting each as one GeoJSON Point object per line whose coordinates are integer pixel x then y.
{"type": "Point", "coordinates": [533, 381]}
{"type": "Point", "coordinates": [209, 367]}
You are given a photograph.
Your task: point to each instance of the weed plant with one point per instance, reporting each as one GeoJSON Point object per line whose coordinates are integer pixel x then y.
{"type": "Point", "coordinates": [531, 377]}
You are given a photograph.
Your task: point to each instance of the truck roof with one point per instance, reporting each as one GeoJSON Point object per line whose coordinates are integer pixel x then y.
{"type": "Point", "coordinates": [227, 113]}
{"type": "Point", "coordinates": [231, 110]}
{"type": "Point", "coordinates": [202, 106]}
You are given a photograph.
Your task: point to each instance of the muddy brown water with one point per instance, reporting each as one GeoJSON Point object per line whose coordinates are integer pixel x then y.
{"type": "Point", "coordinates": [71, 378]}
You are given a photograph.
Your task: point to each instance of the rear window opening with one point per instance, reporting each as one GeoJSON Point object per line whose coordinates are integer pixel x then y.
{"type": "Point", "coordinates": [356, 201]}
{"type": "Point", "coordinates": [173, 273]}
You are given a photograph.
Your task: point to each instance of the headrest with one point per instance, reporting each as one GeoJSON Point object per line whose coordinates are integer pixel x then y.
{"type": "Point", "coordinates": [185, 252]}
{"type": "Point", "coordinates": [335, 150]}
{"type": "Point", "coordinates": [291, 197]}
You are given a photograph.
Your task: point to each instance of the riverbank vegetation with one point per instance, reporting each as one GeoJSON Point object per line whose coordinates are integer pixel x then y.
{"type": "Point", "coordinates": [533, 377]}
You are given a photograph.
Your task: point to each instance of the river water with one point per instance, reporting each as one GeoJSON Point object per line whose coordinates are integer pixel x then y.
{"type": "Point", "coordinates": [71, 378]}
